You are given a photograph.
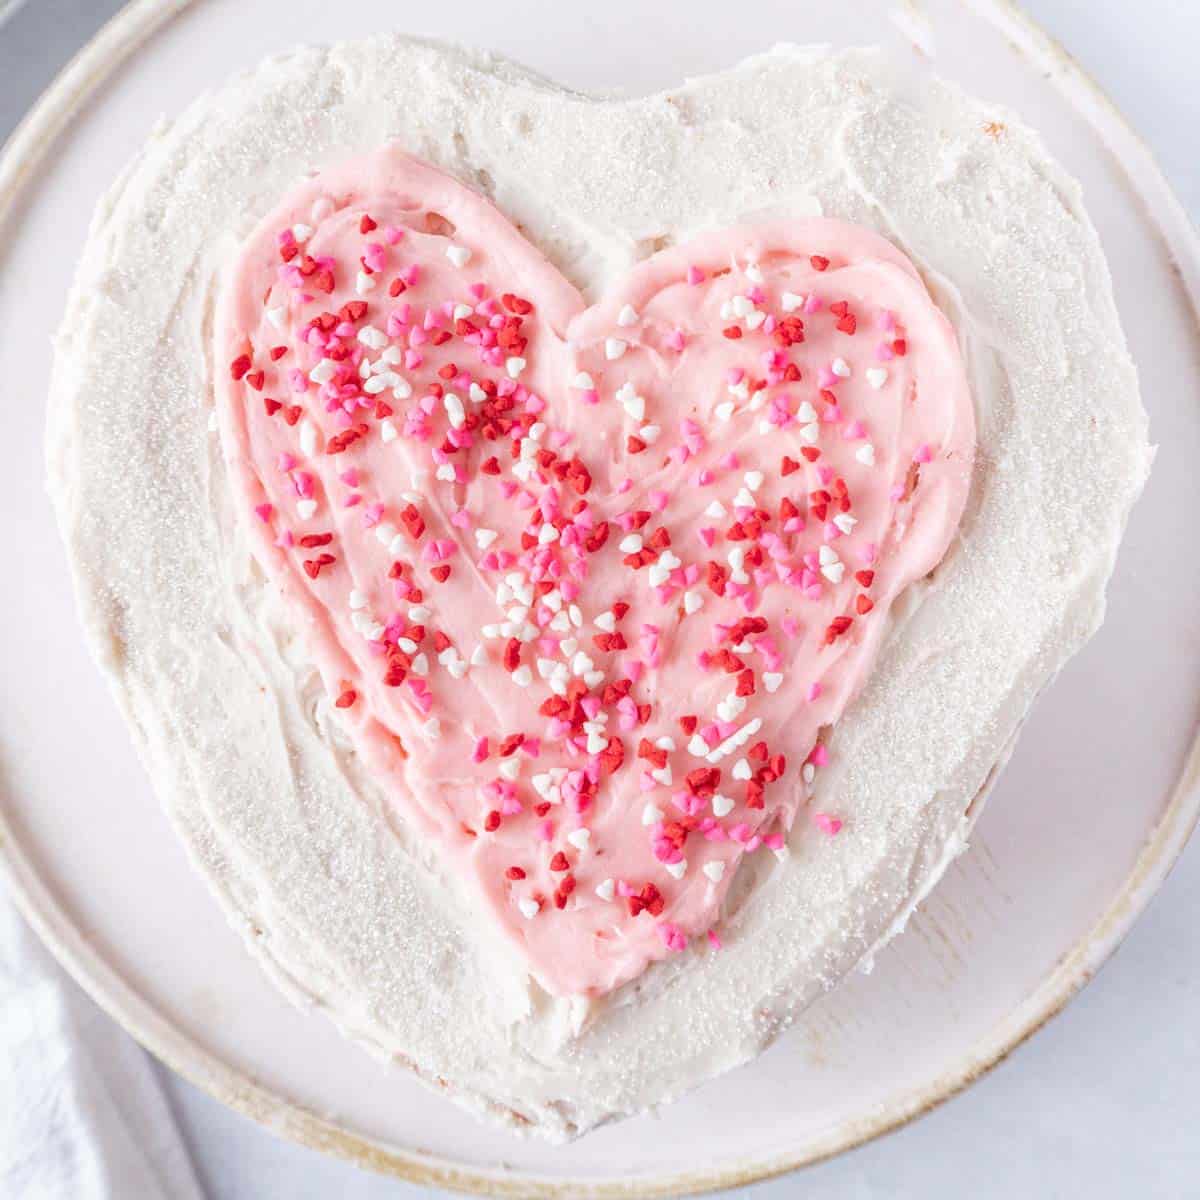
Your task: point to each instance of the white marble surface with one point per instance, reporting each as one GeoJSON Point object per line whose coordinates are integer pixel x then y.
{"type": "Point", "coordinates": [1105, 1102]}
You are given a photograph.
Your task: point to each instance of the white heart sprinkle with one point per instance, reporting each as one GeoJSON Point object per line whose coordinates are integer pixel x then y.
{"type": "Point", "coordinates": [632, 403]}
{"type": "Point", "coordinates": [454, 409]}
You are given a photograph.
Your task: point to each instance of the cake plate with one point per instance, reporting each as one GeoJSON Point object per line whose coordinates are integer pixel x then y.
{"type": "Point", "coordinates": [1080, 831]}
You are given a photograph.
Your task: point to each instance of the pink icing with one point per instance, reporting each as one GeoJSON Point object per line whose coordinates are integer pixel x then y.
{"type": "Point", "coordinates": [828, 344]}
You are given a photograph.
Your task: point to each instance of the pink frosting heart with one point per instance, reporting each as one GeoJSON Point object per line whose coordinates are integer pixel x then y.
{"type": "Point", "coordinates": [587, 585]}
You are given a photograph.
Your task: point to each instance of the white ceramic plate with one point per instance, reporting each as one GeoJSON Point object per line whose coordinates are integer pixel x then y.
{"type": "Point", "coordinates": [1086, 821]}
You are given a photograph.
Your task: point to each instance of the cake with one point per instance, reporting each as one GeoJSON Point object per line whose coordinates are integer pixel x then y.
{"type": "Point", "coordinates": [574, 567]}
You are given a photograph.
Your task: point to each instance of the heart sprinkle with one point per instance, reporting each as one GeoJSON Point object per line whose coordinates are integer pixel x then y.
{"type": "Point", "coordinates": [523, 546]}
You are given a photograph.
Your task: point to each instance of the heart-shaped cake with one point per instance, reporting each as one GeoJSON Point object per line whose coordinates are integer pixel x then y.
{"type": "Point", "coordinates": [584, 583]}
{"type": "Point", "coordinates": [574, 566]}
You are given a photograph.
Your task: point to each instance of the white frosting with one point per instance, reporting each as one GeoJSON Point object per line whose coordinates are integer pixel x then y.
{"type": "Point", "coordinates": [345, 910]}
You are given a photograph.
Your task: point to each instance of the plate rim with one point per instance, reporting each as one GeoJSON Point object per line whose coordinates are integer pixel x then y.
{"type": "Point", "coordinates": [20, 158]}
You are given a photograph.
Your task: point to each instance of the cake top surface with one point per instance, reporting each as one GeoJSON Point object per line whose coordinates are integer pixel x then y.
{"type": "Point", "coordinates": [239, 729]}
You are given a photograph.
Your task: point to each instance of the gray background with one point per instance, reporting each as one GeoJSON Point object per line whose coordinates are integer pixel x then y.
{"type": "Point", "coordinates": [1105, 1102]}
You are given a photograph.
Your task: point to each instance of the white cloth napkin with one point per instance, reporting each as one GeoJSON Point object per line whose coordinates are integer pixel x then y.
{"type": "Point", "coordinates": [82, 1116]}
